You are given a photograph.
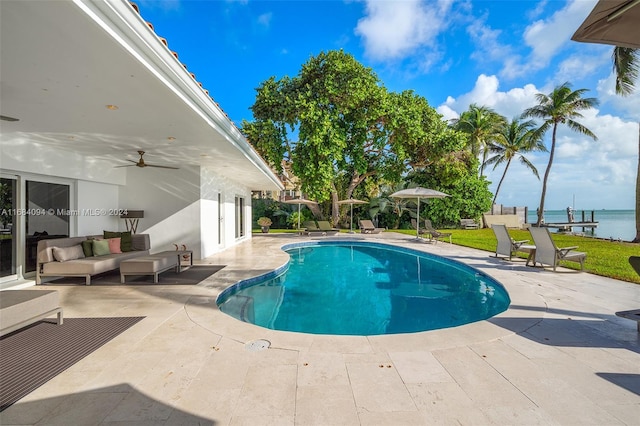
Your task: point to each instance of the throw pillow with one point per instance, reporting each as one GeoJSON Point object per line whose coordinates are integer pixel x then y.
{"type": "Point", "coordinates": [114, 245]}
{"type": "Point", "coordinates": [126, 241]}
{"type": "Point", "coordinates": [87, 248]}
{"type": "Point", "coordinates": [62, 254]}
{"type": "Point", "coordinates": [101, 247]}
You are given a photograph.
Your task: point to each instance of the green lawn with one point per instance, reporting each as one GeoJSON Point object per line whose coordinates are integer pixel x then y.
{"type": "Point", "coordinates": [605, 258]}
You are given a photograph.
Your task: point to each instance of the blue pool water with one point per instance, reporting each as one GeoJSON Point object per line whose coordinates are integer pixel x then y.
{"type": "Point", "coordinates": [359, 288]}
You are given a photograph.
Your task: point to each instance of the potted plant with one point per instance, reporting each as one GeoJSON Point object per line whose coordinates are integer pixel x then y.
{"type": "Point", "coordinates": [265, 223]}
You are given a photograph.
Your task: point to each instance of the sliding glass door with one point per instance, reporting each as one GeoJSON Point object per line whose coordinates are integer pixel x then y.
{"type": "Point", "coordinates": [47, 207]}
{"type": "Point", "coordinates": [8, 240]}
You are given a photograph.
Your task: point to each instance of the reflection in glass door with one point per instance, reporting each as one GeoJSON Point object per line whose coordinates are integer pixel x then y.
{"type": "Point", "coordinates": [47, 205]}
{"type": "Point", "coordinates": [8, 210]}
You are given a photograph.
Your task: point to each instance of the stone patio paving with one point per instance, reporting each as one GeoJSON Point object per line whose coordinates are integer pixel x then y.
{"type": "Point", "coordinates": [558, 355]}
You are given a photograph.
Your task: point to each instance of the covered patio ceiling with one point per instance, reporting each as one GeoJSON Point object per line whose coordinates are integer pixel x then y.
{"type": "Point", "coordinates": [65, 63]}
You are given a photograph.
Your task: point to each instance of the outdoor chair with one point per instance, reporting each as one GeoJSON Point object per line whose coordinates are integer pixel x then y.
{"type": "Point", "coordinates": [507, 246]}
{"type": "Point", "coordinates": [548, 253]}
{"type": "Point", "coordinates": [311, 228]}
{"type": "Point", "coordinates": [435, 235]}
{"type": "Point", "coordinates": [326, 227]}
{"type": "Point", "coordinates": [367, 227]}
{"type": "Point", "coordinates": [414, 225]}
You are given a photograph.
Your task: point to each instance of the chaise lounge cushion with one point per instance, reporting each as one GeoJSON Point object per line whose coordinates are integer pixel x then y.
{"type": "Point", "coordinates": [19, 308]}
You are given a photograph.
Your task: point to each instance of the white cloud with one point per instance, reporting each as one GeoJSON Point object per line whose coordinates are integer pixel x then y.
{"type": "Point", "coordinates": [600, 174]}
{"type": "Point", "coordinates": [394, 30]}
{"type": "Point", "coordinates": [485, 92]}
{"type": "Point", "coordinates": [629, 106]}
{"type": "Point", "coordinates": [265, 19]}
{"type": "Point", "coordinates": [546, 37]}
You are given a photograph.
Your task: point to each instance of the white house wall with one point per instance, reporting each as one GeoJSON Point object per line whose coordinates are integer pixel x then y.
{"type": "Point", "coordinates": [181, 207]}
{"type": "Point", "coordinates": [97, 208]}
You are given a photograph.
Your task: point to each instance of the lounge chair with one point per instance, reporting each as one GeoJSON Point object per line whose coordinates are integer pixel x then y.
{"type": "Point", "coordinates": [633, 314]}
{"type": "Point", "coordinates": [507, 246]}
{"type": "Point", "coordinates": [326, 227]}
{"type": "Point", "coordinates": [311, 228]}
{"type": "Point", "coordinates": [435, 235]}
{"type": "Point", "coordinates": [367, 227]}
{"type": "Point", "coordinates": [548, 253]}
{"type": "Point", "coordinates": [414, 224]}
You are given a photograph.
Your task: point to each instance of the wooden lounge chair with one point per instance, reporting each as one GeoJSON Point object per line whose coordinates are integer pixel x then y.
{"type": "Point", "coordinates": [367, 227]}
{"type": "Point", "coordinates": [435, 235]}
{"type": "Point", "coordinates": [326, 227]}
{"type": "Point", "coordinates": [548, 253]}
{"type": "Point", "coordinates": [507, 246]}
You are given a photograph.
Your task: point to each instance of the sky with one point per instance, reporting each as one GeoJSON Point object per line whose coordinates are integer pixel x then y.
{"type": "Point", "coordinates": [499, 54]}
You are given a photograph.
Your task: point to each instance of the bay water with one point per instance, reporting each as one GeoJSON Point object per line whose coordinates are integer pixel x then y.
{"type": "Point", "coordinates": [616, 224]}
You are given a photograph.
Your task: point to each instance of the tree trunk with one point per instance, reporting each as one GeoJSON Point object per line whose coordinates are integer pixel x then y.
{"type": "Point", "coordinates": [637, 238]}
{"type": "Point", "coordinates": [495, 196]}
{"type": "Point", "coordinates": [546, 175]}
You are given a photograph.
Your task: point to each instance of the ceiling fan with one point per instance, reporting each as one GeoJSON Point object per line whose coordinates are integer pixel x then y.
{"type": "Point", "coordinates": [141, 163]}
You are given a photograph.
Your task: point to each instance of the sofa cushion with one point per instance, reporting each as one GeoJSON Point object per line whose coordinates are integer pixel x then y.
{"type": "Point", "coordinates": [63, 254]}
{"type": "Point", "coordinates": [114, 245]}
{"type": "Point", "coordinates": [101, 247]}
{"type": "Point", "coordinates": [87, 248]}
{"type": "Point", "coordinates": [126, 241]}
{"type": "Point", "coordinates": [90, 265]}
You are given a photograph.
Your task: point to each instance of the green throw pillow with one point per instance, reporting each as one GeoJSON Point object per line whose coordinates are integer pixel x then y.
{"type": "Point", "coordinates": [101, 247]}
{"type": "Point", "coordinates": [126, 241]}
{"type": "Point", "coordinates": [87, 248]}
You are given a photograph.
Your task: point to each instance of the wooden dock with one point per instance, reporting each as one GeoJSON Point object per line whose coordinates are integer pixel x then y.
{"type": "Point", "coordinates": [566, 226]}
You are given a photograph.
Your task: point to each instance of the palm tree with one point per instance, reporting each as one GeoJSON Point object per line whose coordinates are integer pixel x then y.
{"type": "Point", "coordinates": [561, 106]}
{"type": "Point", "coordinates": [481, 124]}
{"type": "Point", "coordinates": [626, 65]}
{"type": "Point", "coordinates": [513, 140]}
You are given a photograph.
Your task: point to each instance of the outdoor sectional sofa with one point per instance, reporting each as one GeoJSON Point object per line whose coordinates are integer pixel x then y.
{"type": "Point", "coordinates": [52, 257]}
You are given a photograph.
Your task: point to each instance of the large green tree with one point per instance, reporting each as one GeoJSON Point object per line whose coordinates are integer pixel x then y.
{"type": "Point", "coordinates": [513, 140]}
{"type": "Point", "coordinates": [481, 124]}
{"type": "Point", "coordinates": [626, 65]}
{"type": "Point", "coordinates": [336, 126]}
{"type": "Point", "coordinates": [561, 106]}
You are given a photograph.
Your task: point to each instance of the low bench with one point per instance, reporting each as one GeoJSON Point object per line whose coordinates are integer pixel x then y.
{"type": "Point", "coordinates": [153, 264]}
{"type": "Point", "coordinates": [20, 308]}
{"type": "Point", "coordinates": [469, 224]}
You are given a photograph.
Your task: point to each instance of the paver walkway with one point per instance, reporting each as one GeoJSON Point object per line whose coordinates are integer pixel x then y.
{"type": "Point", "coordinates": [558, 355]}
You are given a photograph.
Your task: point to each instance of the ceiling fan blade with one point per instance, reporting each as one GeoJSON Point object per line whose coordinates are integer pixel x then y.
{"type": "Point", "coordinates": [161, 167]}
{"type": "Point", "coordinates": [128, 165]}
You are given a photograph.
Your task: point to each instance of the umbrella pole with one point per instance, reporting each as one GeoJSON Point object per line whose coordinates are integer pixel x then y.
{"type": "Point", "coordinates": [418, 221]}
{"type": "Point", "coordinates": [351, 226]}
{"type": "Point", "coordinates": [299, 219]}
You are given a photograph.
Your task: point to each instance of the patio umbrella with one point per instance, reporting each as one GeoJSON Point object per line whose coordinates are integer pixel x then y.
{"type": "Point", "coordinates": [418, 193]}
{"type": "Point", "coordinates": [612, 22]}
{"type": "Point", "coordinates": [352, 201]}
{"type": "Point", "coordinates": [299, 202]}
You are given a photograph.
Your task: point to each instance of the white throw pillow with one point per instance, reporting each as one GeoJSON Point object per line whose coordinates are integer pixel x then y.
{"type": "Point", "coordinates": [63, 254]}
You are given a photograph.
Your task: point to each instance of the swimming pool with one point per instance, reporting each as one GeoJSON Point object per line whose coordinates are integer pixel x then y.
{"type": "Point", "coordinates": [364, 288]}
